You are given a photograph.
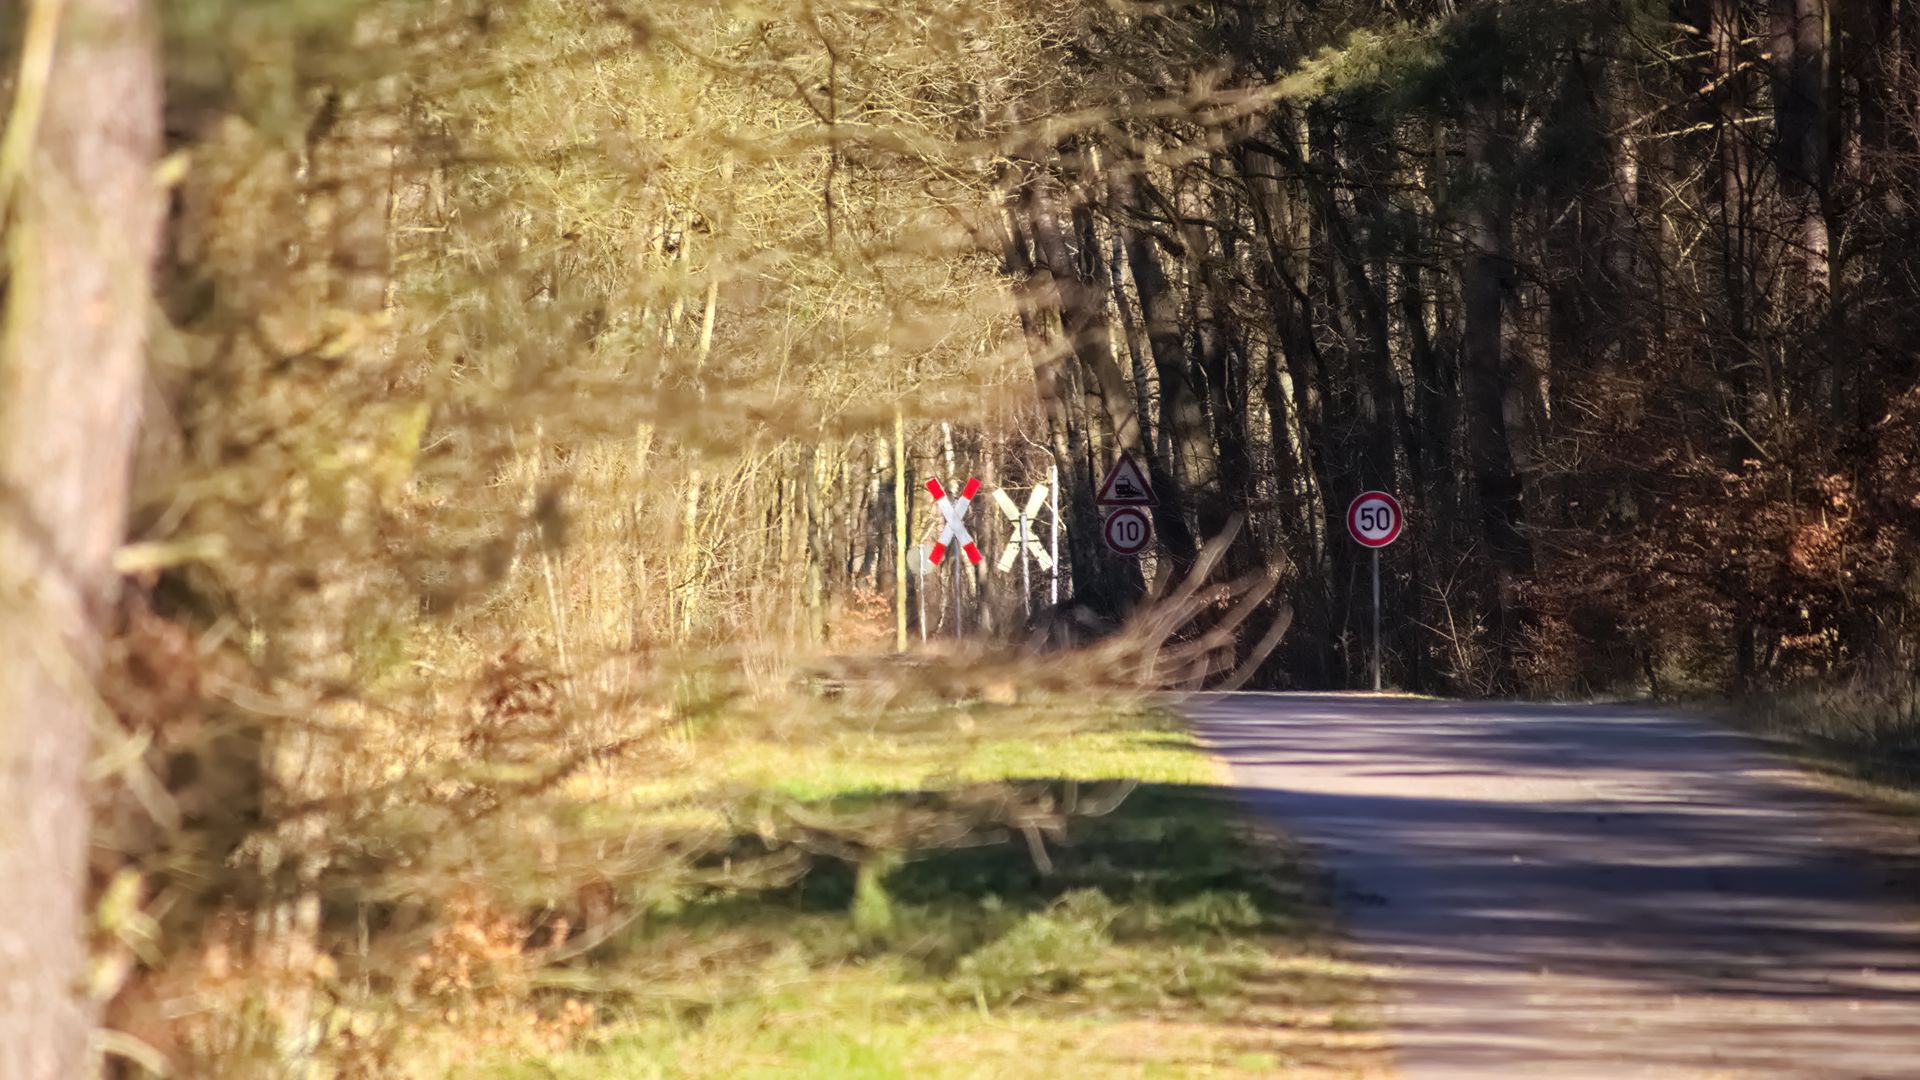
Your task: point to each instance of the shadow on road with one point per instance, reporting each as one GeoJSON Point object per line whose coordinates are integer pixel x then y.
{"type": "Point", "coordinates": [1596, 890]}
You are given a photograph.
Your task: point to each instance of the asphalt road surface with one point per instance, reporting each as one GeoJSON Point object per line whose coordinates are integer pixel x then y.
{"type": "Point", "coordinates": [1591, 891]}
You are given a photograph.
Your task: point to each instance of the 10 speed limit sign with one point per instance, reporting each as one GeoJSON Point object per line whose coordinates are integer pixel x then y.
{"type": "Point", "coordinates": [1128, 530]}
{"type": "Point", "coordinates": [1375, 519]}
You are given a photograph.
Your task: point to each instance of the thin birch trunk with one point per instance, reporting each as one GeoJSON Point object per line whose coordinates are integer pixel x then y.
{"type": "Point", "coordinates": [899, 532]}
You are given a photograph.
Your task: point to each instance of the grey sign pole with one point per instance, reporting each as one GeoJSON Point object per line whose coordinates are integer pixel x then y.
{"type": "Point", "coordinates": [959, 582]}
{"type": "Point", "coordinates": [1376, 620]}
{"type": "Point", "coordinates": [1025, 534]}
{"type": "Point", "coordinates": [920, 594]}
{"type": "Point", "coordinates": [1053, 587]}
{"type": "Point", "coordinates": [1375, 519]}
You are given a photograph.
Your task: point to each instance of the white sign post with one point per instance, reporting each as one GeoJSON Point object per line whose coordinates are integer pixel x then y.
{"type": "Point", "coordinates": [1375, 519]}
{"type": "Point", "coordinates": [1023, 544]}
{"type": "Point", "coordinates": [922, 560]}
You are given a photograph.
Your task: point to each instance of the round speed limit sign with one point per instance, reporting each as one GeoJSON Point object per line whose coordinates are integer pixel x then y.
{"type": "Point", "coordinates": [1375, 519]}
{"type": "Point", "coordinates": [1128, 530]}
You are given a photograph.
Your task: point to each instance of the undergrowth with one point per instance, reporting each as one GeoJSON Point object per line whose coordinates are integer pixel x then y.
{"type": "Point", "coordinates": [1865, 728]}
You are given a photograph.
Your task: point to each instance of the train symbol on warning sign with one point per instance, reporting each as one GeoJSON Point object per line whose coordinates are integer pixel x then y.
{"type": "Point", "coordinates": [1126, 485]}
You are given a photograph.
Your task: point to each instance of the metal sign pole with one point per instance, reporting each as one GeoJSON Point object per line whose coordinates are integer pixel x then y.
{"type": "Point", "coordinates": [1376, 620]}
{"type": "Point", "coordinates": [1053, 495]}
{"type": "Point", "coordinates": [1374, 519]}
{"type": "Point", "coordinates": [1026, 567]}
{"type": "Point", "coordinates": [959, 582]}
{"type": "Point", "coordinates": [920, 595]}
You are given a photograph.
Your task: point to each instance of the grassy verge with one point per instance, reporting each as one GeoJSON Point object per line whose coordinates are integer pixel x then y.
{"type": "Point", "coordinates": [1149, 930]}
{"type": "Point", "coordinates": [1861, 735]}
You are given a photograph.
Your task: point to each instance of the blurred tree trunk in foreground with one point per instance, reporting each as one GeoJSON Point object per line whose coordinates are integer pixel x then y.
{"type": "Point", "coordinates": [82, 207]}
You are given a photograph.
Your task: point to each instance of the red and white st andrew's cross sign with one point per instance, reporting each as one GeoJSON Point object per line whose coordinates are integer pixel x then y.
{"type": "Point", "coordinates": [955, 513]}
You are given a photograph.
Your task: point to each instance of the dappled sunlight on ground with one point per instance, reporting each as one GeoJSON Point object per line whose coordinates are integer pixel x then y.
{"type": "Point", "coordinates": [1592, 890]}
{"type": "Point", "coordinates": [1109, 911]}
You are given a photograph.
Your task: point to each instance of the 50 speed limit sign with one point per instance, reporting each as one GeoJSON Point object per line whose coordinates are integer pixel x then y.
{"type": "Point", "coordinates": [1375, 519]}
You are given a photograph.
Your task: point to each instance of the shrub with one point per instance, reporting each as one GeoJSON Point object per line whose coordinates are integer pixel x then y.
{"type": "Point", "coordinates": [1049, 952]}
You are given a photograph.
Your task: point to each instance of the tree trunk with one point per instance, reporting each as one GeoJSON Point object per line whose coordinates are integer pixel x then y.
{"type": "Point", "coordinates": [1375, 386]}
{"type": "Point", "coordinates": [1279, 222]}
{"type": "Point", "coordinates": [1485, 378]}
{"type": "Point", "coordinates": [1736, 234]}
{"type": "Point", "coordinates": [1116, 585]}
{"type": "Point", "coordinates": [1182, 423]}
{"type": "Point", "coordinates": [900, 508]}
{"type": "Point", "coordinates": [1220, 369]}
{"type": "Point", "coordinates": [78, 179]}
{"type": "Point", "coordinates": [1129, 329]}
{"type": "Point", "coordinates": [1799, 56]}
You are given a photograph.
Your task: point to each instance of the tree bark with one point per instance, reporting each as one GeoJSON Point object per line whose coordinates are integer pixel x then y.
{"type": "Point", "coordinates": [1281, 223]}
{"type": "Point", "coordinates": [1183, 425]}
{"type": "Point", "coordinates": [1078, 292]}
{"type": "Point", "coordinates": [1799, 57]}
{"type": "Point", "coordinates": [899, 532]}
{"type": "Point", "coordinates": [1220, 369]}
{"type": "Point", "coordinates": [78, 172]}
{"type": "Point", "coordinates": [1376, 388]}
{"type": "Point", "coordinates": [1486, 378]}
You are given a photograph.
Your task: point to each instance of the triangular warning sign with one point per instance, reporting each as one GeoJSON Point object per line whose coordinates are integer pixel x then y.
{"type": "Point", "coordinates": [1126, 485]}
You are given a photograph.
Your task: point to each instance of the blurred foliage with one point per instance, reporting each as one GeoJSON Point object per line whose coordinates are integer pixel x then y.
{"type": "Point", "coordinates": [512, 358]}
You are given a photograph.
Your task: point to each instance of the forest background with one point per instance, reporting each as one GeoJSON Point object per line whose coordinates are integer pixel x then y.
{"type": "Point", "coordinates": [529, 384]}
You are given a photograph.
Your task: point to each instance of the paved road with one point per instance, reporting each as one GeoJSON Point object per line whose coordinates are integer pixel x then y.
{"type": "Point", "coordinates": [1591, 891]}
